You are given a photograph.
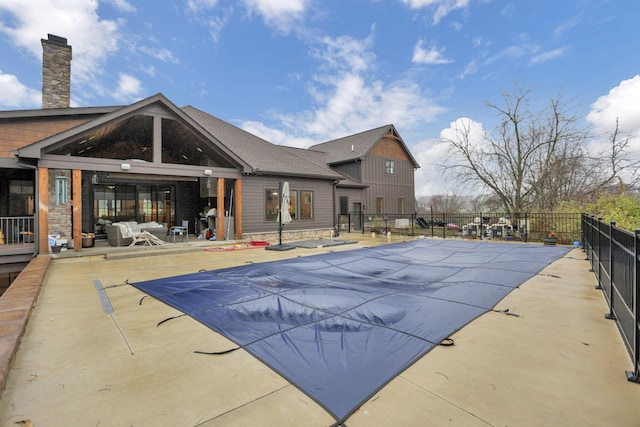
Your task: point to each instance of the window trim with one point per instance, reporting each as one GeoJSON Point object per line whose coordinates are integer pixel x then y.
{"type": "Point", "coordinates": [390, 167]}
{"type": "Point", "coordinates": [311, 202]}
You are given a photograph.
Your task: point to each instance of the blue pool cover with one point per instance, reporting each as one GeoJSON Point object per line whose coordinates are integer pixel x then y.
{"type": "Point", "coordinates": [339, 326]}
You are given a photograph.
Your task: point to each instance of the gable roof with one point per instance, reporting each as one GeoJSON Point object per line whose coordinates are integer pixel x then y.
{"type": "Point", "coordinates": [262, 156]}
{"type": "Point", "coordinates": [356, 146]}
{"type": "Point", "coordinates": [112, 115]}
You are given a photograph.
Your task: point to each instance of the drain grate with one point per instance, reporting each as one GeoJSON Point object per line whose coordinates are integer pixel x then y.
{"type": "Point", "coordinates": [104, 299]}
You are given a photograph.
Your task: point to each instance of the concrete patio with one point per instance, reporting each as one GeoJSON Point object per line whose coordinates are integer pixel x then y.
{"type": "Point", "coordinates": [558, 362]}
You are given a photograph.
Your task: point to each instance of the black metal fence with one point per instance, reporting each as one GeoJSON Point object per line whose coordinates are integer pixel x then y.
{"type": "Point", "coordinates": [472, 225]}
{"type": "Point", "coordinates": [613, 254]}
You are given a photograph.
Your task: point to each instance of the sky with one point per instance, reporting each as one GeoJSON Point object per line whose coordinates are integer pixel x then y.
{"type": "Point", "coordinates": [301, 72]}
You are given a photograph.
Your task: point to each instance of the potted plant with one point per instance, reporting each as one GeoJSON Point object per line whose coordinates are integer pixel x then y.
{"type": "Point", "coordinates": [550, 239]}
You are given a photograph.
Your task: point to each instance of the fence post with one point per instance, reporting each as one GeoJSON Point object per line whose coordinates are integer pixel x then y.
{"type": "Point", "coordinates": [635, 375]}
{"type": "Point", "coordinates": [611, 315]}
{"type": "Point", "coordinates": [583, 226]}
{"type": "Point", "coordinates": [599, 254]}
{"type": "Point", "coordinates": [413, 220]}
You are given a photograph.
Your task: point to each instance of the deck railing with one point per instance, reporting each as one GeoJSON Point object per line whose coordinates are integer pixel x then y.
{"type": "Point", "coordinates": [613, 254]}
{"type": "Point", "coordinates": [16, 229]}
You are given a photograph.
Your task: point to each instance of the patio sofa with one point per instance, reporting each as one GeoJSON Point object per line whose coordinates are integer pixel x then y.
{"type": "Point", "coordinates": [120, 233]}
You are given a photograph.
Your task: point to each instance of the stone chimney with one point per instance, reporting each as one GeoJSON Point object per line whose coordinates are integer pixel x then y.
{"type": "Point", "coordinates": [56, 72]}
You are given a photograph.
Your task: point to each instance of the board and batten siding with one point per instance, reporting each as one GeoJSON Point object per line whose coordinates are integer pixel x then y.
{"type": "Point", "coordinates": [355, 195]}
{"type": "Point", "coordinates": [253, 206]}
{"type": "Point", "coordinates": [390, 187]}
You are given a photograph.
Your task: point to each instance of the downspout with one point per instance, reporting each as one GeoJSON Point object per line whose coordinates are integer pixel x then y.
{"type": "Point", "coordinates": [36, 203]}
{"type": "Point", "coordinates": [335, 212]}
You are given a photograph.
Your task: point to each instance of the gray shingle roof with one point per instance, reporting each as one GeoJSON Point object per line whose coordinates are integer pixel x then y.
{"type": "Point", "coordinates": [357, 146]}
{"type": "Point", "coordinates": [262, 156]}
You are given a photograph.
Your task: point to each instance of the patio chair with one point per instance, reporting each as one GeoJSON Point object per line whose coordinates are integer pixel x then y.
{"type": "Point", "coordinates": [180, 230]}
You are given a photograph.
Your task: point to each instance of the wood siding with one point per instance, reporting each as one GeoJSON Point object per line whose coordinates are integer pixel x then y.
{"type": "Point", "coordinates": [253, 207]}
{"type": "Point", "coordinates": [390, 187]}
{"type": "Point", "coordinates": [350, 169]}
{"type": "Point", "coordinates": [20, 133]}
{"type": "Point", "coordinates": [390, 148]}
{"type": "Point", "coordinates": [355, 195]}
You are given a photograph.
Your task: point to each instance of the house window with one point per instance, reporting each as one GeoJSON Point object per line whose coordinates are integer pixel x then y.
{"type": "Point", "coordinates": [306, 204]}
{"type": "Point", "coordinates": [272, 200]}
{"type": "Point", "coordinates": [293, 204]}
{"type": "Point", "coordinates": [390, 166]}
{"type": "Point", "coordinates": [344, 205]}
{"type": "Point", "coordinates": [378, 205]}
{"type": "Point", "coordinates": [271, 205]}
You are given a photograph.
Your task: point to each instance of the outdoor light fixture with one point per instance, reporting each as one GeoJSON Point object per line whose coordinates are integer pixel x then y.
{"type": "Point", "coordinates": [208, 172]}
{"type": "Point", "coordinates": [94, 178]}
{"type": "Point", "coordinates": [125, 166]}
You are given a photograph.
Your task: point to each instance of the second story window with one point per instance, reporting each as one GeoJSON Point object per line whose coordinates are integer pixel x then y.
{"type": "Point", "coordinates": [390, 166]}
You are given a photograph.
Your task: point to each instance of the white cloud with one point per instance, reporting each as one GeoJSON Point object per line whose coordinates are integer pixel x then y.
{"type": "Point", "coordinates": [280, 15]}
{"type": "Point", "coordinates": [128, 89]}
{"type": "Point", "coordinates": [123, 5]}
{"type": "Point", "coordinates": [349, 98]}
{"type": "Point", "coordinates": [471, 68]}
{"type": "Point", "coordinates": [441, 7]}
{"type": "Point", "coordinates": [203, 13]}
{"type": "Point", "coordinates": [162, 54]}
{"type": "Point", "coordinates": [93, 39]}
{"type": "Point", "coordinates": [429, 179]}
{"type": "Point", "coordinates": [345, 54]}
{"type": "Point", "coordinates": [197, 6]}
{"type": "Point", "coordinates": [620, 103]}
{"type": "Point", "coordinates": [434, 154]}
{"type": "Point", "coordinates": [217, 23]}
{"type": "Point", "coordinates": [548, 55]}
{"type": "Point", "coordinates": [431, 56]}
{"type": "Point", "coordinates": [17, 95]}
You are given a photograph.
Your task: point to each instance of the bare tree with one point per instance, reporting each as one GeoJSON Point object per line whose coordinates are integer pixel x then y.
{"type": "Point", "coordinates": [447, 203]}
{"type": "Point", "coordinates": [619, 168]}
{"type": "Point", "coordinates": [532, 159]}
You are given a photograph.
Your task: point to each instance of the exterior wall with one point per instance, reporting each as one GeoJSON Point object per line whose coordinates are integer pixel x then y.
{"type": "Point", "coordinates": [20, 133]}
{"type": "Point", "coordinates": [351, 169]}
{"type": "Point", "coordinates": [390, 187]}
{"type": "Point", "coordinates": [389, 148]}
{"type": "Point", "coordinates": [355, 195]}
{"type": "Point", "coordinates": [60, 208]}
{"type": "Point", "coordinates": [253, 208]}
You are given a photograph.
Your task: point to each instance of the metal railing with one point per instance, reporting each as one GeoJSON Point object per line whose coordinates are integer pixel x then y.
{"type": "Point", "coordinates": [613, 255]}
{"type": "Point", "coordinates": [495, 225]}
{"type": "Point", "coordinates": [16, 229]}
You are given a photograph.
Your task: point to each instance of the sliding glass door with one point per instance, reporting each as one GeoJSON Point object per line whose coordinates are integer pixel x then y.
{"type": "Point", "coordinates": [131, 202]}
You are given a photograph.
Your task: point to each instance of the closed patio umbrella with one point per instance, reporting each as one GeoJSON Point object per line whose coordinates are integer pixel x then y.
{"type": "Point", "coordinates": [284, 217]}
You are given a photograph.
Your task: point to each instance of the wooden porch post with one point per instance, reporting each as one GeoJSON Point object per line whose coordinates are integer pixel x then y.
{"type": "Point", "coordinates": [76, 212]}
{"type": "Point", "coordinates": [237, 208]}
{"type": "Point", "coordinates": [220, 210]}
{"type": "Point", "coordinates": [43, 210]}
